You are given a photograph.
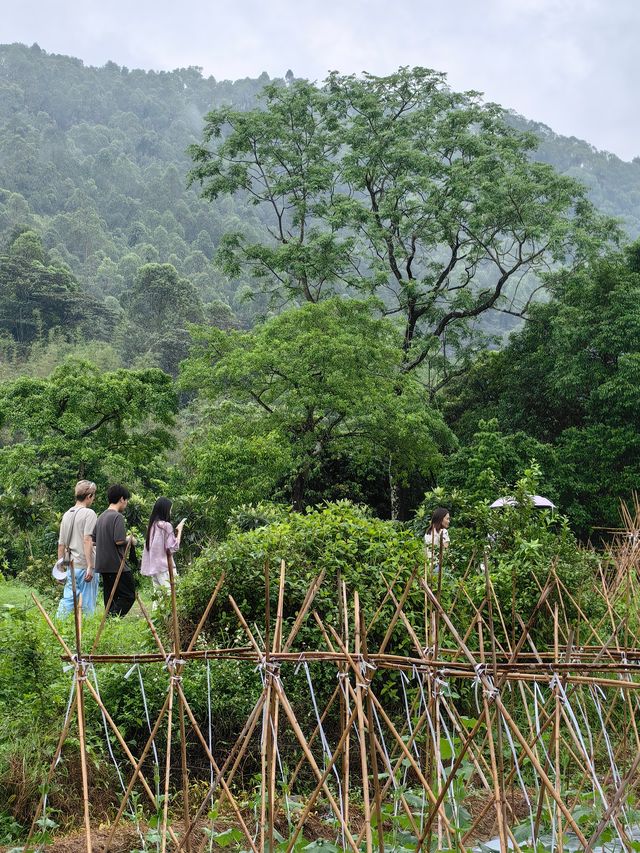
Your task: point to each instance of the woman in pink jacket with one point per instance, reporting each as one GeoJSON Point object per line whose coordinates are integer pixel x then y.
{"type": "Point", "coordinates": [160, 543]}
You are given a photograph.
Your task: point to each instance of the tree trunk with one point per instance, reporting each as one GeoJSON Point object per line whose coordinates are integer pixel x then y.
{"type": "Point", "coordinates": [393, 494]}
{"type": "Point", "coordinates": [298, 489]}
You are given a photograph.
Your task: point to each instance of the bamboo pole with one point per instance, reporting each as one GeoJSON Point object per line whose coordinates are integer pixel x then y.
{"type": "Point", "coordinates": [52, 768]}
{"type": "Point", "coordinates": [372, 735]}
{"type": "Point", "coordinates": [316, 731]}
{"type": "Point", "coordinates": [80, 675]}
{"type": "Point", "coordinates": [207, 610]}
{"type": "Point", "coordinates": [275, 708]}
{"type": "Point", "coordinates": [312, 762]}
{"type": "Point", "coordinates": [167, 769]}
{"type": "Point", "coordinates": [311, 801]}
{"type": "Point", "coordinates": [123, 744]}
{"type": "Point", "coordinates": [136, 773]}
{"type": "Point", "coordinates": [473, 733]}
{"type": "Point", "coordinates": [379, 748]}
{"type": "Point", "coordinates": [152, 627]}
{"type": "Point", "coordinates": [556, 734]}
{"type": "Point", "coordinates": [304, 610]}
{"type": "Point", "coordinates": [360, 684]}
{"type": "Point", "coordinates": [70, 656]}
{"type": "Point", "coordinates": [240, 748]}
{"type": "Point", "coordinates": [183, 735]}
{"type": "Point", "coordinates": [516, 731]}
{"type": "Point", "coordinates": [343, 678]}
{"type": "Point", "coordinates": [266, 715]}
{"type": "Point", "coordinates": [223, 782]}
{"type": "Point", "coordinates": [612, 668]}
{"type": "Point", "coordinates": [400, 742]}
{"type": "Point", "coordinates": [497, 782]}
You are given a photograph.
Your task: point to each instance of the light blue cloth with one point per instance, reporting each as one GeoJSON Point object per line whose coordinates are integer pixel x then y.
{"type": "Point", "coordinates": [87, 589]}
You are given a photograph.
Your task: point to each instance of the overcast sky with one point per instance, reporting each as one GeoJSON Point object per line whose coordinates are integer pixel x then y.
{"type": "Point", "coordinates": [572, 64]}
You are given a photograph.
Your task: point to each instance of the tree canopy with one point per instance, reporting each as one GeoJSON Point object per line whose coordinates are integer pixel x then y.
{"type": "Point", "coordinates": [400, 187]}
{"type": "Point", "coordinates": [84, 423]}
{"type": "Point", "coordinates": [38, 295]}
{"type": "Point", "coordinates": [321, 380]}
{"type": "Point", "coordinates": [571, 380]}
{"type": "Point", "coordinates": [432, 211]}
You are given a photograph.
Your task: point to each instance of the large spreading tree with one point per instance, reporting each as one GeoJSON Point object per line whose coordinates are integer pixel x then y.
{"type": "Point", "coordinates": [396, 186]}
{"type": "Point", "coordinates": [38, 296]}
{"type": "Point", "coordinates": [314, 393]}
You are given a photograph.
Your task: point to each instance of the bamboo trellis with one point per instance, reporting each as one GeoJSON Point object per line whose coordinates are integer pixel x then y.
{"type": "Point", "coordinates": [554, 727]}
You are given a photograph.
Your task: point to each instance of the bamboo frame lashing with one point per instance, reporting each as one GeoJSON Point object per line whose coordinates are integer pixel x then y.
{"type": "Point", "coordinates": [610, 655]}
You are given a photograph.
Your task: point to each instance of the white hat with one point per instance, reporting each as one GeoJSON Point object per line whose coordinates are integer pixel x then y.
{"type": "Point", "coordinates": [58, 572]}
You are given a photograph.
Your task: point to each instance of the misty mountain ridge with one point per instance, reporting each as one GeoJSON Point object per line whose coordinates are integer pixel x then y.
{"type": "Point", "coordinates": [95, 161]}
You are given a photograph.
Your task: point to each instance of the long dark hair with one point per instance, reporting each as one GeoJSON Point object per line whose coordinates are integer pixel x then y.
{"type": "Point", "coordinates": [437, 518]}
{"type": "Point", "coordinates": [161, 512]}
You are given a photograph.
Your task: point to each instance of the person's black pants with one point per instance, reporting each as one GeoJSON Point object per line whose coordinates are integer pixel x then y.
{"type": "Point", "coordinates": [123, 597]}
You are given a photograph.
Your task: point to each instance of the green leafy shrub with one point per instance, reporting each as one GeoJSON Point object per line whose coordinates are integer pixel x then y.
{"type": "Point", "coordinates": [342, 539]}
{"type": "Point", "coordinates": [27, 532]}
{"type": "Point", "coordinates": [520, 544]}
{"type": "Point", "coordinates": [34, 691]}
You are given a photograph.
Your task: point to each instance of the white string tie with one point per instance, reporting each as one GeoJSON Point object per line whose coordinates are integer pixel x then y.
{"type": "Point", "coordinates": [555, 685]}
{"type": "Point", "coordinates": [365, 665]}
{"type": "Point", "coordinates": [271, 668]}
{"type": "Point", "coordinates": [480, 670]}
{"type": "Point", "coordinates": [82, 667]}
{"type": "Point", "coordinates": [491, 691]}
{"type": "Point", "coordinates": [439, 682]}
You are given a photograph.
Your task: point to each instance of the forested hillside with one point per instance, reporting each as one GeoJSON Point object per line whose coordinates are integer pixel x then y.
{"type": "Point", "coordinates": [284, 306]}
{"type": "Point", "coordinates": [152, 220]}
{"type": "Point", "coordinates": [614, 185]}
{"type": "Point", "coordinates": [95, 160]}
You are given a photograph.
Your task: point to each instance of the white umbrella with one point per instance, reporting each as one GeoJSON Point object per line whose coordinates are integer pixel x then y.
{"type": "Point", "coordinates": [539, 501]}
{"type": "Point", "coordinates": [508, 501]}
{"type": "Point", "coordinates": [536, 500]}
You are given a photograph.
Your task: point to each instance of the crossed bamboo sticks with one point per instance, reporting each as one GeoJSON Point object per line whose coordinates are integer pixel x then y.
{"type": "Point", "coordinates": [378, 750]}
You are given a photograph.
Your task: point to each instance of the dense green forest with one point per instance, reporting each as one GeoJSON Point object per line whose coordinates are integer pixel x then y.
{"type": "Point", "coordinates": [335, 267]}
{"type": "Point", "coordinates": [310, 314]}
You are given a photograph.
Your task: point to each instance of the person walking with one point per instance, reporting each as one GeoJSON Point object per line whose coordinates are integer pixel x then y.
{"type": "Point", "coordinates": [436, 538]}
{"type": "Point", "coordinates": [75, 543]}
{"type": "Point", "coordinates": [160, 543]}
{"type": "Point", "coordinates": [112, 541]}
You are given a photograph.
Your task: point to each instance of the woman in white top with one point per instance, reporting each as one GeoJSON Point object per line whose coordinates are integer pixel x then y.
{"type": "Point", "coordinates": [437, 535]}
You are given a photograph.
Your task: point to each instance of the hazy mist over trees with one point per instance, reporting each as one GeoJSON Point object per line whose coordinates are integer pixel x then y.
{"type": "Point", "coordinates": [152, 220]}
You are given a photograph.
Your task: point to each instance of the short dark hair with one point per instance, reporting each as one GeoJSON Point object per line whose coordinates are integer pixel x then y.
{"type": "Point", "coordinates": [116, 492]}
